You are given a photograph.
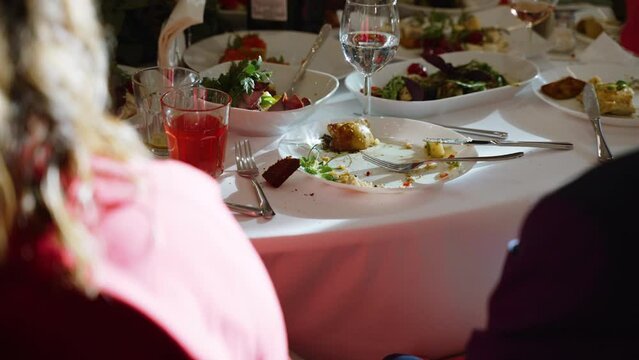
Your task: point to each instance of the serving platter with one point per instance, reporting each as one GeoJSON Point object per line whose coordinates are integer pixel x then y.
{"type": "Point", "coordinates": [291, 45]}
{"type": "Point", "coordinates": [394, 134]}
{"type": "Point", "coordinates": [607, 73]}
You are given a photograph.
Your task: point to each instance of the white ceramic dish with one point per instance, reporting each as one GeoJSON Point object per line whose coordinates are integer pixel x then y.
{"type": "Point", "coordinates": [519, 72]}
{"type": "Point", "coordinates": [607, 73]}
{"type": "Point", "coordinates": [315, 85]}
{"type": "Point", "coordinates": [292, 45]}
{"type": "Point", "coordinates": [394, 134]}
{"type": "Point", "coordinates": [407, 7]}
{"type": "Point", "coordinates": [499, 17]}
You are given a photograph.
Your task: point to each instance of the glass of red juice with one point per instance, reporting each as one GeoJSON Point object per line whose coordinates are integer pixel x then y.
{"type": "Point", "coordinates": [196, 122]}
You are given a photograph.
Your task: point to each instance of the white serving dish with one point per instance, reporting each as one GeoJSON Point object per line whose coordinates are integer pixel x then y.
{"type": "Point", "coordinates": [519, 72]}
{"type": "Point", "coordinates": [315, 85]}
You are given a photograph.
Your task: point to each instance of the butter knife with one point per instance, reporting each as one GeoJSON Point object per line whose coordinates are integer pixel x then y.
{"type": "Point", "coordinates": [319, 40]}
{"type": "Point", "coordinates": [558, 145]}
{"type": "Point", "coordinates": [592, 109]}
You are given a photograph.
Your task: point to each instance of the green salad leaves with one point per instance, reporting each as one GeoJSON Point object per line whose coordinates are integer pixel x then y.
{"type": "Point", "coordinates": [240, 79]}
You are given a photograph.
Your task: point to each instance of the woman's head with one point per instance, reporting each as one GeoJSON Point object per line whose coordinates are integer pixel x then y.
{"type": "Point", "coordinates": [53, 113]}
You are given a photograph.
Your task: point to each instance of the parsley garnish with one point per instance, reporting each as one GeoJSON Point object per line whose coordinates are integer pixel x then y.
{"type": "Point", "coordinates": [240, 79]}
{"type": "Point", "coordinates": [314, 165]}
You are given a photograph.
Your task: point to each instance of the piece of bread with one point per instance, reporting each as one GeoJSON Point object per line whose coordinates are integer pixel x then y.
{"type": "Point", "coordinates": [277, 173]}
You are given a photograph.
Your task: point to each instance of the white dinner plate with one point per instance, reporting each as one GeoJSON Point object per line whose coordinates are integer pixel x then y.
{"type": "Point", "coordinates": [394, 134]}
{"type": "Point", "coordinates": [517, 37]}
{"type": "Point", "coordinates": [519, 73]}
{"type": "Point", "coordinates": [607, 73]}
{"type": "Point", "coordinates": [291, 45]}
{"type": "Point", "coordinates": [407, 7]}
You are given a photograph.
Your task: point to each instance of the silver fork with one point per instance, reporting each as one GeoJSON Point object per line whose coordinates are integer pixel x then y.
{"type": "Point", "coordinates": [406, 167]}
{"type": "Point", "coordinates": [247, 168]}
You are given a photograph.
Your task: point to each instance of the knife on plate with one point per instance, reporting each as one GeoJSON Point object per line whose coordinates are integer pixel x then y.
{"type": "Point", "coordinates": [558, 145]}
{"type": "Point", "coordinates": [592, 109]}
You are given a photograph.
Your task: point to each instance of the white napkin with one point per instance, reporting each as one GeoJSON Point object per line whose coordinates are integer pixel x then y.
{"type": "Point", "coordinates": [605, 50]}
{"type": "Point", "coordinates": [186, 13]}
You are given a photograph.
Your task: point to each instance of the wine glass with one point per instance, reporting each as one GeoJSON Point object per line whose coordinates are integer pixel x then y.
{"type": "Point", "coordinates": [369, 34]}
{"type": "Point", "coordinates": [532, 12]}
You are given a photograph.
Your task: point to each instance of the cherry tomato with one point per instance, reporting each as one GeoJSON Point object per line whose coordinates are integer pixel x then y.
{"type": "Point", "coordinates": [418, 69]}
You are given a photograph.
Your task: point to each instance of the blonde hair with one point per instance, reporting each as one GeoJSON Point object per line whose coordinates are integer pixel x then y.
{"type": "Point", "coordinates": [54, 94]}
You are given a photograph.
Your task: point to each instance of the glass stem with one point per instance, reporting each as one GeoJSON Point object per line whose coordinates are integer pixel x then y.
{"type": "Point", "coordinates": [530, 33]}
{"type": "Point", "coordinates": [367, 93]}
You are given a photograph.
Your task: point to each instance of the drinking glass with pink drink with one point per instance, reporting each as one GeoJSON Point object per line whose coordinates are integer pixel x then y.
{"type": "Point", "coordinates": [196, 124]}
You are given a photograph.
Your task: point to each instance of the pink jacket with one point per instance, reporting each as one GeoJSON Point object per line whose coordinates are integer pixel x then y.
{"type": "Point", "coordinates": [168, 247]}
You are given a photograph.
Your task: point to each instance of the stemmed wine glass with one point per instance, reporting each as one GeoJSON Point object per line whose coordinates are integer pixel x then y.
{"type": "Point", "coordinates": [532, 12]}
{"type": "Point", "coordinates": [369, 34]}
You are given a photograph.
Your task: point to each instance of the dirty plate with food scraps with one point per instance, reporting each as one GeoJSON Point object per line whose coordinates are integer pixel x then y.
{"type": "Point", "coordinates": [517, 71]}
{"type": "Point", "coordinates": [400, 140]}
{"type": "Point", "coordinates": [607, 73]}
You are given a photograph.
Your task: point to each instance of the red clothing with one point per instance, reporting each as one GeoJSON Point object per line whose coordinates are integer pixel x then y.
{"type": "Point", "coordinates": [629, 37]}
{"type": "Point", "coordinates": [171, 254]}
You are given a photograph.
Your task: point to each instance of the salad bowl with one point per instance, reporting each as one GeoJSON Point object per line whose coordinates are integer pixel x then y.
{"type": "Point", "coordinates": [315, 85]}
{"type": "Point", "coordinates": [517, 71]}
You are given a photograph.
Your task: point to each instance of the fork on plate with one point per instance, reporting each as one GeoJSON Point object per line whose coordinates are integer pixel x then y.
{"type": "Point", "coordinates": [247, 168]}
{"type": "Point", "coordinates": [406, 167]}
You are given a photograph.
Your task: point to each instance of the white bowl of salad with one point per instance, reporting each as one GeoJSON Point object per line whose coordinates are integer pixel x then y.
{"type": "Point", "coordinates": [493, 77]}
{"type": "Point", "coordinates": [260, 107]}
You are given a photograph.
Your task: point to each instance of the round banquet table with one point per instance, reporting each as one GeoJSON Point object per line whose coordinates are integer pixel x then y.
{"type": "Point", "coordinates": [362, 275]}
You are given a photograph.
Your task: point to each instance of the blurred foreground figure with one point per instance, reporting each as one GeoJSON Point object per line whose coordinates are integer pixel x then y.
{"type": "Point", "coordinates": [567, 290]}
{"type": "Point", "coordinates": [106, 253]}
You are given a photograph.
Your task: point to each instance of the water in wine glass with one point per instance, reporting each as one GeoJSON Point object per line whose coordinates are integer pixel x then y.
{"type": "Point", "coordinates": [531, 12]}
{"type": "Point", "coordinates": [369, 51]}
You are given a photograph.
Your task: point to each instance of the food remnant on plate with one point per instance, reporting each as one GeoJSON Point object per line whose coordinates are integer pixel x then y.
{"type": "Point", "coordinates": [434, 149]}
{"type": "Point", "coordinates": [350, 136]}
{"type": "Point", "coordinates": [565, 88]}
{"type": "Point", "coordinates": [615, 98]}
{"type": "Point", "coordinates": [350, 179]}
{"type": "Point", "coordinates": [277, 173]}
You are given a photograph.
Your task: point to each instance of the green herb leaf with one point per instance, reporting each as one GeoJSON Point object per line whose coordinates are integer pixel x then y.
{"type": "Point", "coordinates": [240, 79]}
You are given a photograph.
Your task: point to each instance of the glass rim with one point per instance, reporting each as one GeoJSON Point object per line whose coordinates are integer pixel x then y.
{"type": "Point", "coordinates": [157, 67]}
{"type": "Point", "coordinates": [163, 103]}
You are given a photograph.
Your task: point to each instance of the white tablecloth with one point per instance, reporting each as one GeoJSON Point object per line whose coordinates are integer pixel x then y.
{"type": "Point", "coordinates": [363, 275]}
